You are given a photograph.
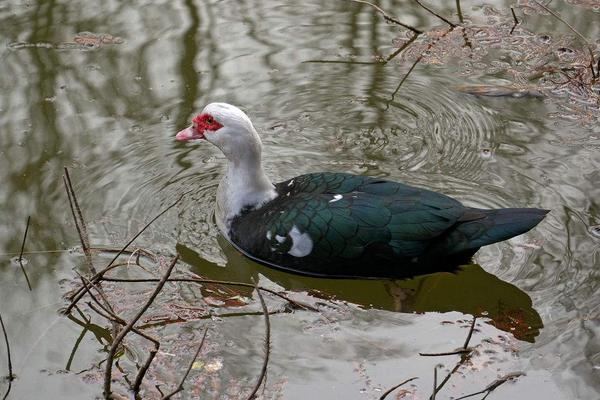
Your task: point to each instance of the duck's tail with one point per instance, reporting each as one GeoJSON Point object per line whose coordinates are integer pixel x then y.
{"type": "Point", "coordinates": [483, 227]}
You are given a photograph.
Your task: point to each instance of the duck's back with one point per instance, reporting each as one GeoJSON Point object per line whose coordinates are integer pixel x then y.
{"type": "Point", "coordinates": [343, 225]}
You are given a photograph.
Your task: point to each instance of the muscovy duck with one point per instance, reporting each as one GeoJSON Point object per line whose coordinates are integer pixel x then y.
{"type": "Point", "coordinates": [333, 224]}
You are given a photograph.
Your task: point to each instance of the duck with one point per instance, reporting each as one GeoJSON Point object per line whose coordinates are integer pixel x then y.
{"type": "Point", "coordinates": [341, 225]}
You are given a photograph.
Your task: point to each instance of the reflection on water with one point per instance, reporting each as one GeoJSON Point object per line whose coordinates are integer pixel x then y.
{"type": "Point", "coordinates": [470, 290]}
{"type": "Point", "coordinates": [74, 95]}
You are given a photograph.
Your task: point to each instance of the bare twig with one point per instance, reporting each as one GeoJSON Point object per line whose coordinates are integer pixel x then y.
{"type": "Point", "coordinates": [21, 253]}
{"type": "Point", "coordinates": [341, 62]}
{"type": "Point", "coordinates": [187, 372]}
{"type": "Point", "coordinates": [449, 353]}
{"type": "Point", "coordinates": [429, 10]}
{"type": "Point", "coordinates": [263, 370]}
{"type": "Point", "coordinates": [124, 331]}
{"type": "Point", "coordinates": [78, 219]}
{"type": "Point", "coordinates": [459, 12]}
{"type": "Point", "coordinates": [512, 10]}
{"type": "Point", "coordinates": [412, 67]}
{"type": "Point", "coordinates": [106, 305]}
{"type": "Point", "coordinates": [83, 237]}
{"type": "Point", "coordinates": [138, 250]}
{"type": "Point", "coordinates": [78, 294]}
{"type": "Point", "coordinates": [24, 238]}
{"type": "Point", "coordinates": [79, 339]}
{"type": "Point", "coordinates": [494, 385]}
{"type": "Point", "coordinates": [401, 48]}
{"type": "Point", "coordinates": [387, 17]}
{"type": "Point", "coordinates": [463, 358]}
{"type": "Point", "coordinates": [143, 369]}
{"type": "Point", "coordinates": [390, 390]}
{"type": "Point", "coordinates": [471, 329]}
{"type": "Point", "coordinates": [231, 283]}
{"type": "Point", "coordinates": [135, 386]}
{"type": "Point", "coordinates": [10, 376]}
{"type": "Point", "coordinates": [561, 19]}
{"type": "Point", "coordinates": [435, 389]}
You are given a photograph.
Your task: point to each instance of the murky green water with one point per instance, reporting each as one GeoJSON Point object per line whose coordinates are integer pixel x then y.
{"type": "Point", "coordinates": [108, 107]}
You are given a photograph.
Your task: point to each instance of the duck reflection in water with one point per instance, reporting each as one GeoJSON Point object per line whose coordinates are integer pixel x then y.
{"type": "Point", "coordinates": [469, 290]}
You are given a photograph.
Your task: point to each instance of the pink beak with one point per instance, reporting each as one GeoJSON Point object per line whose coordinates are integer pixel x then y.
{"type": "Point", "coordinates": [188, 134]}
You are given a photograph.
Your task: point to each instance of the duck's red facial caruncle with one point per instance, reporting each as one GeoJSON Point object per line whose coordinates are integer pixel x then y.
{"type": "Point", "coordinates": [200, 124]}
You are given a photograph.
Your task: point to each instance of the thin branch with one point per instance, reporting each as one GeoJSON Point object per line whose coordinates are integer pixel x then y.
{"type": "Point", "coordinates": [24, 238]}
{"type": "Point", "coordinates": [187, 372]}
{"type": "Point", "coordinates": [98, 308]}
{"type": "Point", "coordinates": [412, 67]}
{"type": "Point", "coordinates": [404, 79]}
{"type": "Point", "coordinates": [390, 390]}
{"type": "Point", "coordinates": [494, 385]}
{"type": "Point", "coordinates": [142, 371]}
{"type": "Point", "coordinates": [125, 331]}
{"type": "Point", "coordinates": [401, 48]}
{"type": "Point", "coordinates": [77, 342]}
{"type": "Point", "coordinates": [466, 345]}
{"type": "Point", "coordinates": [263, 370]}
{"type": "Point", "coordinates": [441, 385]}
{"type": "Point", "coordinates": [106, 305]}
{"type": "Point", "coordinates": [435, 389]}
{"type": "Point", "coordinates": [429, 10]}
{"type": "Point", "coordinates": [10, 377]}
{"type": "Point", "coordinates": [200, 281]}
{"type": "Point", "coordinates": [78, 219]}
{"type": "Point", "coordinates": [449, 353]}
{"type": "Point", "coordinates": [463, 358]}
{"type": "Point", "coordinates": [341, 62]}
{"type": "Point", "coordinates": [459, 12]}
{"type": "Point", "coordinates": [587, 43]}
{"type": "Point", "coordinates": [21, 253]}
{"type": "Point", "coordinates": [512, 10]}
{"type": "Point", "coordinates": [77, 295]}
{"type": "Point", "coordinates": [387, 17]}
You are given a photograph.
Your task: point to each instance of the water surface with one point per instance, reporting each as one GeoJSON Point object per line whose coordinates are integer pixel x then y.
{"type": "Point", "coordinates": [103, 88]}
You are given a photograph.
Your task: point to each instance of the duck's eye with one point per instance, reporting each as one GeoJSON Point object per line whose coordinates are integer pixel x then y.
{"type": "Point", "coordinates": [209, 120]}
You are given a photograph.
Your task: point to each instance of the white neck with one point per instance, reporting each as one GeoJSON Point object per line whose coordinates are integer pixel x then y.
{"type": "Point", "coordinates": [244, 185]}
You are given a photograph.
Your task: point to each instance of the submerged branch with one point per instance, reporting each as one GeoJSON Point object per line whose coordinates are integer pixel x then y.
{"type": "Point", "coordinates": [79, 293]}
{"type": "Point", "coordinates": [10, 376]}
{"type": "Point", "coordinates": [448, 353]}
{"type": "Point", "coordinates": [123, 333]}
{"type": "Point", "coordinates": [494, 385]}
{"type": "Point", "coordinates": [390, 390]}
{"type": "Point", "coordinates": [463, 358]}
{"type": "Point", "coordinates": [200, 281]}
{"type": "Point", "coordinates": [263, 370]}
{"type": "Point", "coordinates": [187, 372]}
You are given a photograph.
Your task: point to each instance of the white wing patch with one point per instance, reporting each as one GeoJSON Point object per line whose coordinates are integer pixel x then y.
{"type": "Point", "coordinates": [336, 197]}
{"type": "Point", "coordinates": [302, 244]}
{"type": "Point", "coordinates": [280, 239]}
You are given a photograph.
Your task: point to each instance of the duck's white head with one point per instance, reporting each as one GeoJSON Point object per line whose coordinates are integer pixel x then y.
{"type": "Point", "coordinates": [228, 128]}
{"type": "Point", "coordinates": [245, 184]}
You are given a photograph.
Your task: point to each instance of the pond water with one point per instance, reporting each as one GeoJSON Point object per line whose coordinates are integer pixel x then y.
{"type": "Point", "coordinates": [103, 87]}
